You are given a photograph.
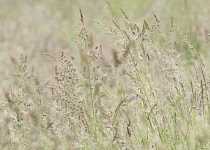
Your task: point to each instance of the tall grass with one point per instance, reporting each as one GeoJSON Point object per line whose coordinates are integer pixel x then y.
{"type": "Point", "coordinates": [143, 89]}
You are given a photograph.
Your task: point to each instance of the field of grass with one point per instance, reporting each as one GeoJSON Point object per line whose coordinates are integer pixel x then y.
{"type": "Point", "coordinates": [99, 75]}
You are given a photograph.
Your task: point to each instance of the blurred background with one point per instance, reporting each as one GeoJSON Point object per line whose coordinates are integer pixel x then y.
{"type": "Point", "coordinates": [35, 27]}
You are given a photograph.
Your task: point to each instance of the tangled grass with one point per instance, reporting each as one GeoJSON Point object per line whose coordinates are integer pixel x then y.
{"type": "Point", "coordinates": [146, 89]}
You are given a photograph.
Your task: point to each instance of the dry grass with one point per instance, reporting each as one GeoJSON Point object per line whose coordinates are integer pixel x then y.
{"type": "Point", "coordinates": [140, 87]}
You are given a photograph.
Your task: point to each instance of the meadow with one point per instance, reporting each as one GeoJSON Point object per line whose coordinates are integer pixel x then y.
{"type": "Point", "coordinates": [98, 75]}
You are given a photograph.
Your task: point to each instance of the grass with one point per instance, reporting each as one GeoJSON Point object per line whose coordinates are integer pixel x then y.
{"type": "Point", "coordinates": [121, 83]}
